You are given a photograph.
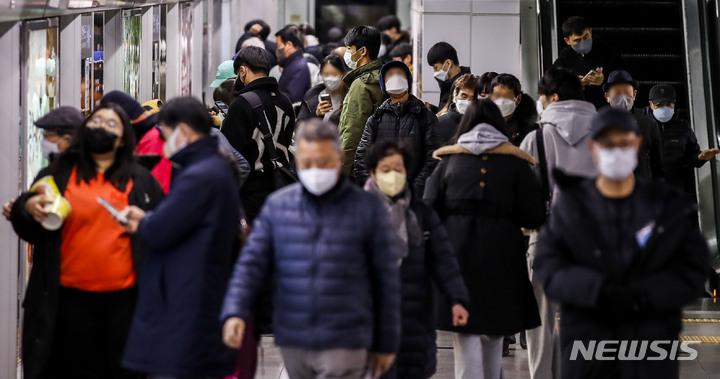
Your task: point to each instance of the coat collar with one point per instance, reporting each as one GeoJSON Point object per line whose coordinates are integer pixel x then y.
{"type": "Point", "coordinates": [505, 148]}
{"type": "Point", "coordinates": [195, 151]}
{"type": "Point", "coordinates": [413, 105]}
{"type": "Point", "coordinates": [356, 73]}
{"type": "Point", "coordinates": [267, 83]}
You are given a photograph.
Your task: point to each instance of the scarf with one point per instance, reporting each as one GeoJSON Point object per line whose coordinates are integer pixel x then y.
{"type": "Point", "coordinates": [402, 218]}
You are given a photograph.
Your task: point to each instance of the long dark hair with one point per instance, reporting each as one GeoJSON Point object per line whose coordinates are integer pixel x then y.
{"type": "Point", "coordinates": [483, 111]}
{"type": "Point", "coordinates": [122, 169]}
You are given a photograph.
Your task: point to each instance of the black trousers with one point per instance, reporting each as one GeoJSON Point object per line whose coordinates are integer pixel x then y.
{"type": "Point", "coordinates": [90, 334]}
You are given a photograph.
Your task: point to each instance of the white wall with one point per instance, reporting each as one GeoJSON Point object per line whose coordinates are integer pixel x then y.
{"type": "Point", "coordinates": [10, 70]}
{"type": "Point", "coordinates": [485, 33]}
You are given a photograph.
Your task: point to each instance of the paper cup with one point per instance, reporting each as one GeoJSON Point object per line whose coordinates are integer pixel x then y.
{"type": "Point", "coordinates": [48, 183]}
{"type": "Point", "coordinates": [58, 212]}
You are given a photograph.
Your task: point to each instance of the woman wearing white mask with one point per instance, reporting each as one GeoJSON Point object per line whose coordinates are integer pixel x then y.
{"type": "Point", "coordinates": [403, 117]}
{"type": "Point", "coordinates": [427, 257]}
{"type": "Point", "coordinates": [315, 103]}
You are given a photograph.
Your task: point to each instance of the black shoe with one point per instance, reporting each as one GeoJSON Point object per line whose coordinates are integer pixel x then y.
{"type": "Point", "coordinates": [523, 340]}
{"type": "Point", "coordinates": [506, 347]}
{"type": "Point", "coordinates": [512, 339]}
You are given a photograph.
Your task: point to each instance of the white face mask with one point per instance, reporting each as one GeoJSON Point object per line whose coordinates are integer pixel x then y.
{"type": "Point", "coordinates": [349, 61]}
{"type": "Point", "coordinates": [318, 181]}
{"type": "Point", "coordinates": [442, 74]}
{"type": "Point", "coordinates": [332, 83]}
{"type": "Point", "coordinates": [462, 105]}
{"type": "Point", "coordinates": [169, 147]}
{"type": "Point", "coordinates": [48, 148]}
{"type": "Point", "coordinates": [617, 163]}
{"type": "Point", "coordinates": [539, 107]}
{"type": "Point", "coordinates": [507, 106]}
{"type": "Point", "coordinates": [396, 85]}
{"type": "Point", "coordinates": [623, 102]}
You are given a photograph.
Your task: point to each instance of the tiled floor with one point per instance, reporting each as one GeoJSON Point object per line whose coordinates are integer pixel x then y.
{"type": "Point", "coordinates": [706, 366]}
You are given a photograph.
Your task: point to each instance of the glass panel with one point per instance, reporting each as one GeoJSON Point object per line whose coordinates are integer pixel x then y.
{"type": "Point", "coordinates": [159, 52]}
{"type": "Point", "coordinates": [132, 32]}
{"type": "Point", "coordinates": [186, 22]}
{"type": "Point", "coordinates": [86, 63]}
{"type": "Point", "coordinates": [42, 68]}
{"type": "Point", "coordinates": [98, 43]}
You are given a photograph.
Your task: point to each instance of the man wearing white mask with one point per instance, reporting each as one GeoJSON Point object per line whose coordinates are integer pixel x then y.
{"type": "Point", "coordinates": [335, 259]}
{"type": "Point", "coordinates": [448, 123]}
{"type": "Point", "coordinates": [621, 256]}
{"type": "Point", "coordinates": [517, 108]}
{"type": "Point", "coordinates": [620, 92]}
{"type": "Point", "coordinates": [403, 118]}
{"type": "Point", "coordinates": [681, 152]}
{"type": "Point", "coordinates": [362, 45]}
{"type": "Point", "coordinates": [443, 58]}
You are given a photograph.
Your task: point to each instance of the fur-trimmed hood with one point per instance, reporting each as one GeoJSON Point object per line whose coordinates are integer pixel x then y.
{"type": "Point", "coordinates": [505, 148]}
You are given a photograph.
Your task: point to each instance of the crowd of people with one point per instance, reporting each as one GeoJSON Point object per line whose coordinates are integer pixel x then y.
{"type": "Point", "coordinates": [321, 201]}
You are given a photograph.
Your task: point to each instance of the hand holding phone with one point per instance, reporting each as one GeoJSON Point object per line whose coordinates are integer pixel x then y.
{"type": "Point", "coordinates": [222, 107]}
{"type": "Point", "coordinates": [119, 217]}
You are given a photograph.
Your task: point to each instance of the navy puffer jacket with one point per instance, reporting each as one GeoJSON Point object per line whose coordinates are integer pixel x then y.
{"type": "Point", "coordinates": [336, 270]}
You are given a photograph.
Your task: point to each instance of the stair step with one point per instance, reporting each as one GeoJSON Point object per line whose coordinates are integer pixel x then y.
{"type": "Point", "coordinates": [652, 56]}
{"type": "Point", "coordinates": [637, 30]}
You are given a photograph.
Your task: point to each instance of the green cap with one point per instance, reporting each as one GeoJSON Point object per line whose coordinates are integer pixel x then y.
{"type": "Point", "coordinates": [224, 72]}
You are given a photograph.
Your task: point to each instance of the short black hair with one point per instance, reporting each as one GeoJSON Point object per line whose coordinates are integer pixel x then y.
{"type": "Point", "coordinates": [574, 25]}
{"type": "Point", "coordinates": [484, 83]}
{"type": "Point", "coordinates": [265, 28]}
{"type": "Point", "coordinates": [225, 92]}
{"type": "Point", "coordinates": [383, 149]}
{"type": "Point", "coordinates": [289, 34]}
{"type": "Point", "coordinates": [187, 110]}
{"type": "Point", "coordinates": [509, 81]}
{"type": "Point", "coordinates": [364, 36]}
{"type": "Point", "coordinates": [307, 29]}
{"type": "Point", "coordinates": [561, 82]}
{"type": "Point", "coordinates": [440, 52]}
{"type": "Point", "coordinates": [256, 59]}
{"type": "Point", "coordinates": [334, 61]}
{"type": "Point", "coordinates": [401, 50]}
{"type": "Point", "coordinates": [388, 22]}
{"type": "Point", "coordinates": [483, 111]}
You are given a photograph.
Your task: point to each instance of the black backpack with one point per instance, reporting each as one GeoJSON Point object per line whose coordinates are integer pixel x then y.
{"type": "Point", "coordinates": [284, 176]}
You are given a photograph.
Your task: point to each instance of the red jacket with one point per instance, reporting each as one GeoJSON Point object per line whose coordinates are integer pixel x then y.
{"type": "Point", "coordinates": [152, 143]}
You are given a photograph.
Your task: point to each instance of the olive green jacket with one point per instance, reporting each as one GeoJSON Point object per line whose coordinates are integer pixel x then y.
{"type": "Point", "coordinates": [363, 98]}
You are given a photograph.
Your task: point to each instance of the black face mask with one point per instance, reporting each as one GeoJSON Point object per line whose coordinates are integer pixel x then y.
{"type": "Point", "coordinates": [99, 140]}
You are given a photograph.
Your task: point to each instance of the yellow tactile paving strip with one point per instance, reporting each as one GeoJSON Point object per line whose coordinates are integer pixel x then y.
{"type": "Point", "coordinates": [700, 339]}
{"type": "Point", "coordinates": [702, 320]}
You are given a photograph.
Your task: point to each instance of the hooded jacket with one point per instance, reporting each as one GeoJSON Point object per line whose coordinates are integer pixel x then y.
{"type": "Point", "coordinates": [364, 96]}
{"type": "Point", "coordinates": [410, 122]}
{"type": "Point", "coordinates": [566, 129]}
{"type": "Point", "coordinates": [485, 191]}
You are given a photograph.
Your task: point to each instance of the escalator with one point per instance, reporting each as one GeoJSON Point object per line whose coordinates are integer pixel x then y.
{"type": "Point", "coordinates": [675, 42]}
{"type": "Point", "coordinates": [648, 34]}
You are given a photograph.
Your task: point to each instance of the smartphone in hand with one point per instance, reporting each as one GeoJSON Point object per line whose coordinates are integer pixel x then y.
{"type": "Point", "coordinates": [113, 211]}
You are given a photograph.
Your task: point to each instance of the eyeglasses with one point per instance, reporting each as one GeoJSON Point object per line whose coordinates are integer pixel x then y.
{"type": "Point", "coordinates": [98, 121]}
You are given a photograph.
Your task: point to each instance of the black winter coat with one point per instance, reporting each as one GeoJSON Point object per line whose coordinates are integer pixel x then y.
{"type": "Point", "coordinates": [650, 159]}
{"type": "Point", "coordinates": [414, 125]}
{"type": "Point", "coordinates": [434, 261]}
{"type": "Point", "coordinates": [680, 152]}
{"type": "Point", "coordinates": [310, 104]}
{"type": "Point", "coordinates": [240, 128]}
{"type": "Point", "coordinates": [484, 201]}
{"type": "Point", "coordinates": [574, 264]}
{"type": "Point", "coordinates": [447, 126]}
{"type": "Point", "coordinates": [601, 55]}
{"type": "Point", "coordinates": [41, 296]}
{"type": "Point", "coordinates": [523, 121]}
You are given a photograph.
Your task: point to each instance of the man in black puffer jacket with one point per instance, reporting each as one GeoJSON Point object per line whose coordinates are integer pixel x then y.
{"type": "Point", "coordinates": [404, 118]}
